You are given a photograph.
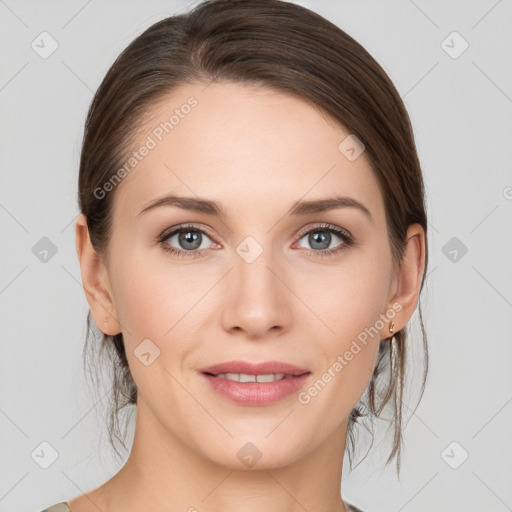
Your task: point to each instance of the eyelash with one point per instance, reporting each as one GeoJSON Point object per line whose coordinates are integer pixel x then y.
{"type": "Point", "coordinates": [344, 235]}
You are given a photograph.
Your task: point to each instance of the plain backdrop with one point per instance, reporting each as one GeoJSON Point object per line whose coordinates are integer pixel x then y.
{"type": "Point", "coordinates": [451, 63]}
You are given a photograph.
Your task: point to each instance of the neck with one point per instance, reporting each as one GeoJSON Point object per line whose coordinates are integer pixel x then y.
{"type": "Point", "coordinates": [164, 473]}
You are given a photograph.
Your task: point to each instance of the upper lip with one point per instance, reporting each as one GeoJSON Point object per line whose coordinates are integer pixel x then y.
{"type": "Point", "coordinates": [264, 368]}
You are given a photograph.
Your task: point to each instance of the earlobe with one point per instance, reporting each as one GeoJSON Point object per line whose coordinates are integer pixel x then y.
{"type": "Point", "coordinates": [95, 281]}
{"type": "Point", "coordinates": [409, 276]}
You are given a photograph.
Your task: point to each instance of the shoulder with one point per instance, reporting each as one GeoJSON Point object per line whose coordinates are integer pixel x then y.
{"type": "Point", "coordinates": [59, 507]}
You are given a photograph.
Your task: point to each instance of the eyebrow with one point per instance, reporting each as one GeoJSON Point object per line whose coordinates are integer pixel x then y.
{"type": "Point", "coordinates": [299, 208]}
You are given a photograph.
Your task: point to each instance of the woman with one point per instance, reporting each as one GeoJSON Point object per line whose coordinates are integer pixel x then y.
{"type": "Point", "coordinates": [252, 243]}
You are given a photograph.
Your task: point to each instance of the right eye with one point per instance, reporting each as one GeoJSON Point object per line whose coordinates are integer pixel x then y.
{"type": "Point", "coordinates": [189, 241]}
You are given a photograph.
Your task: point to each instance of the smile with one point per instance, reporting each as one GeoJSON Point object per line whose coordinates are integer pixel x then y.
{"type": "Point", "coordinates": [245, 377]}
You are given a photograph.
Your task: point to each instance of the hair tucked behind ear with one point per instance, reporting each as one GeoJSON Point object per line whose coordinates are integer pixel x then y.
{"type": "Point", "coordinates": [291, 49]}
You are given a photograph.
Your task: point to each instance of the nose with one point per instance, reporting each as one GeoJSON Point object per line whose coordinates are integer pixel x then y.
{"type": "Point", "coordinates": [257, 299]}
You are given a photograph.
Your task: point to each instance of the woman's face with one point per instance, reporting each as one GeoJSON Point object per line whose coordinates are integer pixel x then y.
{"type": "Point", "coordinates": [259, 284]}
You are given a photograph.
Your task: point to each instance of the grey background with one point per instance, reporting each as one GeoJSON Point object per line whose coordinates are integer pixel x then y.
{"type": "Point", "coordinates": [461, 111]}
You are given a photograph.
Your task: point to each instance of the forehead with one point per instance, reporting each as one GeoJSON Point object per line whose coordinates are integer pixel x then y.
{"type": "Point", "coordinates": [243, 145]}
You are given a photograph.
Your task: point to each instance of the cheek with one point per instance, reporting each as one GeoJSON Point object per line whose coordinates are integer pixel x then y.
{"type": "Point", "coordinates": [160, 302]}
{"type": "Point", "coordinates": [349, 306]}
{"type": "Point", "coordinates": [152, 304]}
{"type": "Point", "coordinates": [150, 296]}
{"type": "Point", "coordinates": [347, 299]}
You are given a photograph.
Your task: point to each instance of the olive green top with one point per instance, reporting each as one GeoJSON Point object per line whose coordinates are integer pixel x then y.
{"type": "Point", "coordinates": [63, 507]}
{"type": "Point", "coordinates": [59, 507]}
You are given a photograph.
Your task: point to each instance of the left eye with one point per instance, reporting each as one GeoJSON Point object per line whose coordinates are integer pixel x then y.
{"type": "Point", "coordinates": [320, 239]}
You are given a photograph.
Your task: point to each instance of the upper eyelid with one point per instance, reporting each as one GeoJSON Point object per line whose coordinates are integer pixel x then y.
{"type": "Point", "coordinates": [328, 227]}
{"type": "Point", "coordinates": [172, 231]}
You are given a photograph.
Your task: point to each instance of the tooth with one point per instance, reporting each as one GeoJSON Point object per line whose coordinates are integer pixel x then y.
{"type": "Point", "coordinates": [247, 378]}
{"type": "Point", "coordinates": [243, 377]}
{"type": "Point", "coordinates": [265, 378]}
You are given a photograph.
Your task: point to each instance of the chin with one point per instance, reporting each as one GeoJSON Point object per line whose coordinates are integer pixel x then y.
{"type": "Point", "coordinates": [254, 452]}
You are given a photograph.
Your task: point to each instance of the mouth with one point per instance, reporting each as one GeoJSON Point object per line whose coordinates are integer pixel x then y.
{"type": "Point", "coordinates": [246, 368]}
{"type": "Point", "coordinates": [246, 377]}
{"type": "Point", "coordinates": [252, 384]}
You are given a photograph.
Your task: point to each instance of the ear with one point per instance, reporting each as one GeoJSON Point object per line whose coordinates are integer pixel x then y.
{"type": "Point", "coordinates": [95, 281]}
{"type": "Point", "coordinates": [406, 284]}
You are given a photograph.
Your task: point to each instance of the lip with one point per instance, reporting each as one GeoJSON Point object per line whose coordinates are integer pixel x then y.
{"type": "Point", "coordinates": [254, 368]}
{"type": "Point", "coordinates": [255, 393]}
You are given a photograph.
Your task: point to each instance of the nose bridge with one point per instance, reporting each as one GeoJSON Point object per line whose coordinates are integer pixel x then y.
{"type": "Point", "coordinates": [252, 266]}
{"type": "Point", "coordinates": [255, 300]}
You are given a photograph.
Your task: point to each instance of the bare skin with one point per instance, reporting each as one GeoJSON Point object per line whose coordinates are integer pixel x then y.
{"type": "Point", "coordinates": [256, 152]}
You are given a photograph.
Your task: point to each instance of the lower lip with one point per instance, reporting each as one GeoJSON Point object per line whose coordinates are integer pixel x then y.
{"type": "Point", "coordinates": [256, 393]}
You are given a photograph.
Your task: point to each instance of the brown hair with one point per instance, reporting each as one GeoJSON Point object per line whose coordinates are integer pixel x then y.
{"type": "Point", "coordinates": [291, 49]}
